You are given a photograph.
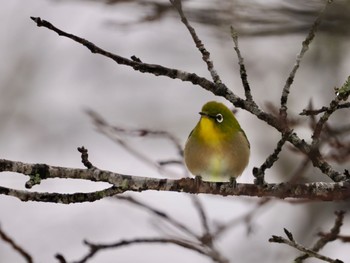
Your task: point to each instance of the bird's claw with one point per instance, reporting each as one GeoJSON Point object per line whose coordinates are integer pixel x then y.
{"type": "Point", "coordinates": [233, 182]}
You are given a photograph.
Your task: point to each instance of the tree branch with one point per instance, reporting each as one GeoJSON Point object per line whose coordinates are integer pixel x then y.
{"type": "Point", "coordinates": [199, 44]}
{"type": "Point", "coordinates": [304, 48]}
{"type": "Point", "coordinates": [217, 89]}
{"type": "Point", "coordinates": [260, 172]}
{"type": "Point", "coordinates": [326, 238]}
{"type": "Point", "coordinates": [242, 69]}
{"type": "Point", "coordinates": [307, 112]}
{"type": "Point", "coordinates": [123, 183]}
{"type": "Point", "coordinates": [291, 242]}
{"type": "Point", "coordinates": [95, 248]}
{"type": "Point", "coordinates": [157, 70]}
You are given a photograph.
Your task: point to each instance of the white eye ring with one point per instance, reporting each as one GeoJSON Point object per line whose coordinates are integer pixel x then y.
{"type": "Point", "coordinates": [219, 118]}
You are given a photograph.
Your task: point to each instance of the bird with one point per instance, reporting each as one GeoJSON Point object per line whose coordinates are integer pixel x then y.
{"type": "Point", "coordinates": [217, 149]}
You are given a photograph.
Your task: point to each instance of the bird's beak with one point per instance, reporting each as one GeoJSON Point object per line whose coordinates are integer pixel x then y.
{"type": "Point", "coordinates": [204, 114]}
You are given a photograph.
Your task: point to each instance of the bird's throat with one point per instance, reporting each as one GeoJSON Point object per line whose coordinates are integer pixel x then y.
{"type": "Point", "coordinates": [208, 132]}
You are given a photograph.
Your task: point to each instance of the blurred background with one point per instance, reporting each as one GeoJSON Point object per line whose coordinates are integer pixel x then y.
{"type": "Point", "coordinates": [47, 81]}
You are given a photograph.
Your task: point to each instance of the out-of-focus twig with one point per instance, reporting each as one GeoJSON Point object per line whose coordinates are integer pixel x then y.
{"type": "Point", "coordinates": [178, 225]}
{"type": "Point", "coordinates": [325, 237]}
{"type": "Point", "coordinates": [113, 133]}
{"type": "Point", "coordinates": [291, 242]}
{"type": "Point", "coordinates": [307, 112]}
{"type": "Point", "coordinates": [243, 219]}
{"type": "Point", "coordinates": [20, 250]}
{"type": "Point", "coordinates": [207, 235]}
{"type": "Point", "coordinates": [95, 248]}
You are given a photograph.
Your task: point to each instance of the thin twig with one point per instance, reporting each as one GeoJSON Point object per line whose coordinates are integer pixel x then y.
{"type": "Point", "coordinates": [260, 172]}
{"type": "Point", "coordinates": [95, 248]}
{"type": "Point", "coordinates": [325, 238]}
{"type": "Point", "coordinates": [85, 157]}
{"type": "Point", "coordinates": [199, 44]}
{"type": "Point", "coordinates": [245, 218]}
{"type": "Point", "coordinates": [15, 246]}
{"type": "Point", "coordinates": [113, 133]}
{"type": "Point", "coordinates": [178, 225]}
{"type": "Point", "coordinates": [217, 88]}
{"type": "Point", "coordinates": [60, 258]}
{"type": "Point", "coordinates": [342, 93]}
{"type": "Point", "coordinates": [305, 46]}
{"type": "Point", "coordinates": [307, 112]}
{"type": "Point", "coordinates": [206, 237]}
{"type": "Point", "coordinates": [242, 69]}
{"type": "Point", "coordinates": [343, 238]}
{"type": "Point", "coordinates": [291, 242]}
{"type": "Point", "coordinates": [142, 132]}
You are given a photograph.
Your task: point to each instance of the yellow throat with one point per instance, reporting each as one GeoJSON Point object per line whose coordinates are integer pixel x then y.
{"type": "Point", "coordinates": [208, 132]}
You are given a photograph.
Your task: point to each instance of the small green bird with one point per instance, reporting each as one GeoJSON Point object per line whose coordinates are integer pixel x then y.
{"type": "Point", "coordinates": [217, 149]}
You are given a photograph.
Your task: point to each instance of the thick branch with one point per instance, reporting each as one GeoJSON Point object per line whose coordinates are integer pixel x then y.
{"type": "Point", "coordinates": [123, 183]}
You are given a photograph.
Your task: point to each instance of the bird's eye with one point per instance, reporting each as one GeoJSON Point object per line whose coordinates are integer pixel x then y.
{"type": "Point", "coordinates": [219, 118]}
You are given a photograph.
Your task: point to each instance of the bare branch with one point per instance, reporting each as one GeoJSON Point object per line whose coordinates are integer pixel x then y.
{"type": "Point", "coordinates": [242, 69]}
{"type": "Point", "coordinates": [178, 225]}
{"type": "Point", "coordinates": [306, 112]}
{"type": "Point", "coordinates": [15, 246]}
{"type": "Point", "coordinates": [113, 133]}
{"type": "Point", "coordinates": [217, 89]}
{"type": "Point", "coordinates": [305, 47]}
{"type": "Point", "coordinates": [343, 238]}
{"type": "Point", "coordinates": [199, 44]}
{"type": "Point", "coordinates": [95, 248]}
{"type": "Point", "coordinates": [341, 94]}
{"type": "Point", "coordinates": [122, 183]}
{"type": "Point", "coordinates": [291, 242]}
{"type": "Point", "coordinates": [60, 258]}
{"type": "Point", "coordinates": [326, 237]}
{"type": "Point", "coordinates": [245, 218]}
{"type": "Point", "coordinates": [260, 172]}
{"type": "Point", "coordinates": [207, 237]}
{"type": "Point", "coordinates": [85, 157]}
{"type": "Point", "coordinates": [157, 70]}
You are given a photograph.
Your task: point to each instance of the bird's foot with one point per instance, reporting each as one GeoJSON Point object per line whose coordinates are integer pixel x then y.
{"type": "Point", "coordinates": [197, 181]}
{"type": "Point", "coordinates": [233, 182]}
